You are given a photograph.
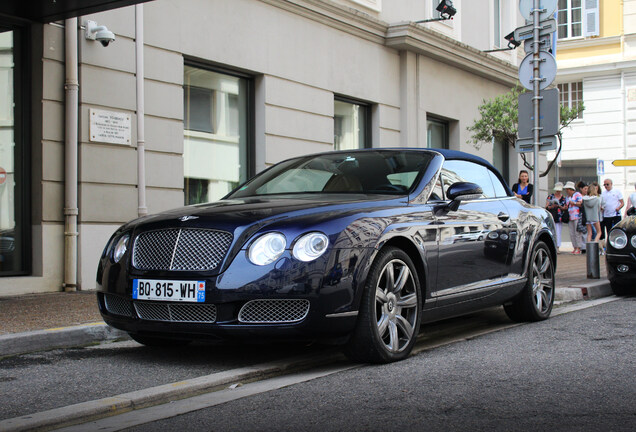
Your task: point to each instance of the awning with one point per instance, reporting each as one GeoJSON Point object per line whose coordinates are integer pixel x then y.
{"type": "Point", "coordinates": [52, 10]}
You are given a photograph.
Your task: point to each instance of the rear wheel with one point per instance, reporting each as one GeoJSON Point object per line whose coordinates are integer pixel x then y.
{"type": "Point", "coordinates": [155, 341]}
{"type": "Point", "coordinates": [537, 298]}
{"type": "Point", "coordinates": [390, 311]}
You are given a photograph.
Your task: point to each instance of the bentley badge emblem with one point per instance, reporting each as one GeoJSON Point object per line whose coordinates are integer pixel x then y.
{"type": "Point", "coordinates": [187, 218]}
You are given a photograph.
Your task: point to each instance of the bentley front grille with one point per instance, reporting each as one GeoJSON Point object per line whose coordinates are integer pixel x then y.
{"type": "Point", "coordinates": [180, 249]}
{"type": "Point", "coordinates": [117, 305]}
{"type": "Point", "coordinates": [274, 311]}
{"type": "Point", "coordinates": [176, 312]}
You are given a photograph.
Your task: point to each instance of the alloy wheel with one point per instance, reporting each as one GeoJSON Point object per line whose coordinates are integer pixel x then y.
{"type": "Point", "coordinates": [542, 280]}
{"type": "Point", "coordinates": [396, 305]}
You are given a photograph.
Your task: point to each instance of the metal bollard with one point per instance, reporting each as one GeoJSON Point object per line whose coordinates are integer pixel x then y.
{"type": "Point", "coordinates": [593, 263]}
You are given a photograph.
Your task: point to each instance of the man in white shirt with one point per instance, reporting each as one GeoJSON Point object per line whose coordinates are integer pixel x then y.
{"type": "Point", "coordinates": [613, 203]}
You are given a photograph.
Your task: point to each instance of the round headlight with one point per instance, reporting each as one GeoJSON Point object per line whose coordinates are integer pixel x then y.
{"type": "Point", "coordinates": [633, 241]}
{"type": "Point", "coordinates": [493, 235]}
{"type": "Point", "coordinates": [267, 248]}
{"type": "Point", "coordinates": [618, 239]}
{"type": "Point", "coordinates": [310, 246]}
{"type": "Point", "coordinates": [120, 247]}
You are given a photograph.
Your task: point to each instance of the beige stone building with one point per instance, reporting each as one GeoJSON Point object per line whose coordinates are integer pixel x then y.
{"type": "Point", "coordinates": [193, 97]}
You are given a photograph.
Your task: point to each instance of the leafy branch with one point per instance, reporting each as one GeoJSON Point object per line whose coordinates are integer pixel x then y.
{"type": "Point", "coordinates": [499, 118]}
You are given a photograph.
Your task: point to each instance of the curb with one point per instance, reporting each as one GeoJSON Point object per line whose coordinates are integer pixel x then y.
{"type": "Point", "coordinates": [92, 410]}
{"type": "Point", "coordinates": [63, 337]}
{"type": "Point", "coordinates": [584, 291]}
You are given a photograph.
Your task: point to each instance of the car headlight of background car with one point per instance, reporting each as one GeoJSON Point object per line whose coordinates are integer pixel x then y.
{"type": "Point", "coordinates": [269, 247]}
{"type": "Point", "coordinates": [120, 247]}
{"type": "Point", "coordinates": [618, 239]}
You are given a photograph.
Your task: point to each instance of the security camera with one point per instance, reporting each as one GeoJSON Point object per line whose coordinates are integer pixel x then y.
{"type": "Point", "coordinates": [99, 33]}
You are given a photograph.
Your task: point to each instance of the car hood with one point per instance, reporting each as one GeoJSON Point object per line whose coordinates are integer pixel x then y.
{"type": "Point", "coordinates": [628, 224]}
{"type": "Point", "coordinates": [230, 214]}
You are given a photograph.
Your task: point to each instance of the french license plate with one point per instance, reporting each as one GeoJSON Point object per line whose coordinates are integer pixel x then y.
{"type": "Point", "coordinates": [169, 290]}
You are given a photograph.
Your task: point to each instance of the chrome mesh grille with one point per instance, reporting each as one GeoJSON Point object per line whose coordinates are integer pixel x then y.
{"type": "Point", "coordinates": [176, 312]}
{"type": "Point", "coordinates": [180, 249]}
{"type": "Point", "coordinates": [117, 305]}
{"type": "Point", "coordinates": [274, 311]}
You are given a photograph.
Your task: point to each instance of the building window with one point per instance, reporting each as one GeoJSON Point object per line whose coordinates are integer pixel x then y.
{"type": "Point", "coordinates": [571, 95]}
{"type": "Point", "coordinates": [350, 125]}
{"type": "Point", "coordinates": [436, 133]}
{"type": "Point", "coordinates": [216, 127]}
{"type": "Point", "coordinates": [14, 201]}
{"type": "Point", "coordinates": [570, 18]}
{"type": "Point", "coordinates": [497, 22]}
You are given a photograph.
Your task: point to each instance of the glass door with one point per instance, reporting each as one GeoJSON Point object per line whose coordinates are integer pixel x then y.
{"type": "Point", "coordinates": [12, 247]}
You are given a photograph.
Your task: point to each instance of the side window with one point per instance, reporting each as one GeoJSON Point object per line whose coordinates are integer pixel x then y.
{"type": "Point", "coordinates": [500, 189]}
{"type": "Point", "coordinates": [459, 170]}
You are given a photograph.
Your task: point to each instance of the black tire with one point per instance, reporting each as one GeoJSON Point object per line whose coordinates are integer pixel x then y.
{"type": "Point", "coordinates": [389, 319]}
{"type": "Point", "coordinates": [537, 298]}
{"type": "Point", "coordinates": [620, 289]}
{"type": "Point", "coordinates": [155, 341]}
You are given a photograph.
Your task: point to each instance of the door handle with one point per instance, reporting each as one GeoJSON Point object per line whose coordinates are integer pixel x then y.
{"type": "Point", "coordinates": [503, 216]}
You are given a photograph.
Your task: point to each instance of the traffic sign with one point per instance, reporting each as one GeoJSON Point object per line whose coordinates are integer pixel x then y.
{"type": "Point", "coordinates": [600, 167]}
{"type": "Point", "coordinates": [545, 143]}
{"type": "Point", "coordinates": [624, 162]}
{"type": "Point", "coordinates": [545, 44]}
{"type": "Point", "coordinates": [547, 70]}
{"type": "Point", "coordinates": [546, 27]}
{"type": "Point", "coordinates": [548, 7]}
{"type": "Point", "coordinates": [549, 114]}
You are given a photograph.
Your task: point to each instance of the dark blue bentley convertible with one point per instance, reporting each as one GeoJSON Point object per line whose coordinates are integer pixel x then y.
{"type": "Point", "coordinates": [358, 247]}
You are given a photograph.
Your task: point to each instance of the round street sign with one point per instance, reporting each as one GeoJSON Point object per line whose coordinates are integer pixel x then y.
{"type": "Point", "coordinates": [3, 175]}
{"type": "Point", "coordinates": [547, 70]}
{"type": "Point", "coordinates": [525, 7]}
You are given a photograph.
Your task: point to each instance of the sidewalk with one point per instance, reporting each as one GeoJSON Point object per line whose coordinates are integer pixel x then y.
{"type": "Point", "coordinates": [38, 322]}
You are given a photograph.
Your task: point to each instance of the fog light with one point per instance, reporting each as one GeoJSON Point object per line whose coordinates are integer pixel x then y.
{"type": "Point", "coordinates": [622, 268]}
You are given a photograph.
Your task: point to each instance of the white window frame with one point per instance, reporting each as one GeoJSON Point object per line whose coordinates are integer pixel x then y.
{"type": "Point", "coordinates": [497, 23]}
{"type": "Point", "coordinates": [590, 20]}
{"type": "Point", "coordinates": [567, 92]}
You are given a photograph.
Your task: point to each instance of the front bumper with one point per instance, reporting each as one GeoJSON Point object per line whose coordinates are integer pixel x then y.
{"type": "Point", "coordinates": [614, 261]}
{"type": "Point", "coordinates": [288, 299]}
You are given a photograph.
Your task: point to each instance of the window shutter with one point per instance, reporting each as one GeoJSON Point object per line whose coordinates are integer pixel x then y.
{"type": "Point", "coordinates": [591, 13]}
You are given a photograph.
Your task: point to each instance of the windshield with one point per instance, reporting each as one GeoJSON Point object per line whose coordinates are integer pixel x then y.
{"type": "Point", "coordinates": [362, 172]}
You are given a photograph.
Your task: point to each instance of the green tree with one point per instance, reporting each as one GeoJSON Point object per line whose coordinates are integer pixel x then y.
{"type": "Point", "coordinates": [500, 119]}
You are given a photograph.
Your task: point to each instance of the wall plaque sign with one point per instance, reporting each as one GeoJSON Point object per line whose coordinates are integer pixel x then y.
{"type": "Point", "coordinates": [109, 127]}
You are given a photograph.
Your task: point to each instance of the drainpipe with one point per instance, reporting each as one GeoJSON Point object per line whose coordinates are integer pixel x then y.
{"type": "Point", "coordinates": [141, 143]}
{"type": "Point", "coordinates": [71, 87]}
{"type": "Point", "coordinates": [624, 115]}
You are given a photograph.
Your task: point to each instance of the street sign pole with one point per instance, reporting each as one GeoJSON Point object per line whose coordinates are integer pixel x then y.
{"type": "Point", "coordinates": [536, 12]}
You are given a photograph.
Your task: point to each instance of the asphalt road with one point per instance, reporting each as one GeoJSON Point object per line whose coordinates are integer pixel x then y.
{"type": "Point", "coordinates": [574, 372]}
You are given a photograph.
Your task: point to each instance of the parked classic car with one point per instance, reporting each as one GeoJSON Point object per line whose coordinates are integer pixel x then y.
{"type": "Point", "coordinates": [620, 258]}
{"type": "Point", "coordinates": [354, 247]}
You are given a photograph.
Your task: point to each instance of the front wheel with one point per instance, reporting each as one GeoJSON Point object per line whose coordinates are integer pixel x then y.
{"type": "Point", "coordinates": [537, 298]}
{"type": "Point", "coordinates": [620, 289]}
{"type": "Point", "coordinates": [390, 311]}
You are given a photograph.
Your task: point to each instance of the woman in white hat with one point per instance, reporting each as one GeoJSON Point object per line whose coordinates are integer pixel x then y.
{"type": "Point", "coordinates": [557, 205]}
{"type": "Point", "coordinates": [575, 201]}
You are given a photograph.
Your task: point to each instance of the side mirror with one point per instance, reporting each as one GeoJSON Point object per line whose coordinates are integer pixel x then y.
{"type": "Point", "coordinates": [458, 192]}
{"type": "Point", "coordinates": [464, 191]}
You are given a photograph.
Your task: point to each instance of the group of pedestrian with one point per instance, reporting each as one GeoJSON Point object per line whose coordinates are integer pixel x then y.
{"type": "Point", "coordinates": [589, 213]}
